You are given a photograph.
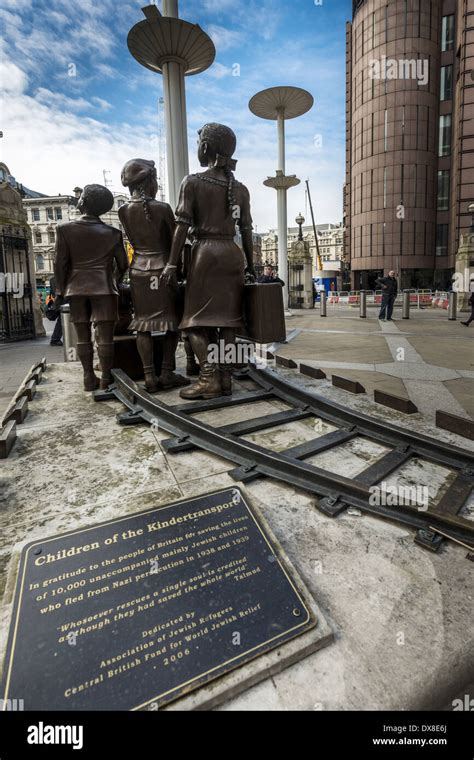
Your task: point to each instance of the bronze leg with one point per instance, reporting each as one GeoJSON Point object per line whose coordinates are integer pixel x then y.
{"type": "Point", "coordinates": [168, 378]}
{"type": "Point", "coordinates": [208, 385]}
{"type": "Point", "coordinates": [145, 349]}
{"type": "Point", "coordinates": [227, 335]}
{"type": "Point", "coordinates": [192, 367]}
{"type": "Point", "coordinates": [106, 351]}
{"type": "Point", "coordinates": [85, 352]}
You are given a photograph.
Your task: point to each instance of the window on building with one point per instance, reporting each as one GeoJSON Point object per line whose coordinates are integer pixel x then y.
{"type": "Point", "coordinates": [385, 131]}
{"type": "Point", "coordinates": [58, 213]}
{"type": "Point", "coordinates": [441, 239]}
{"type": "Point", "coordinates": [444, 135]}
{"type": "Point", "coordinates": [39, 262]}
{"type": "Point", "coordinates": [35, 214]}
{"type": "Point", "coordinates": [51, 236]}
{"type": "Point", "coordinates": [38, 237]}
{"type": "Point", "coordinates": [447, 33]}
{"type": "Point", "coordinates": [446, 89]}
{"type": "Point", "coordinates": [49, 213]}
{"type": "Point", "coordinates": [443, 190]}
{"type": "Point", "coordinates": [385, 187]}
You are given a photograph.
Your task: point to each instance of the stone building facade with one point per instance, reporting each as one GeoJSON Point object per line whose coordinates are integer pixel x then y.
{"type": "Point", "coordinates": [330, 240]}
{"type": "Point", "coordinates": [20, 316]}
{"type": "Point", "coordinates": [44, 214]}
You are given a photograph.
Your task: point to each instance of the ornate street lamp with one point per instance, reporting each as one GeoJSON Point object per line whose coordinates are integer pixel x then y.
{"type": "Point", "coordinates": [300, 220]}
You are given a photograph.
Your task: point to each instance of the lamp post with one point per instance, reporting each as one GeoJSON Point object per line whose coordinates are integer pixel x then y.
{"type": "Point", "coordinates": [279, 104]}
{"type": "Point", "coordinates": [300, 220]}
{"type": "Point", "coordinates": [174, 48]}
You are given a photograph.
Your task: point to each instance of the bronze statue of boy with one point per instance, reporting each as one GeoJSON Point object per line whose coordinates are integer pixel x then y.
{"type": "Point", "coordinates": [211, 204]}
{"type": "Point", "coordinates": [86, 252]}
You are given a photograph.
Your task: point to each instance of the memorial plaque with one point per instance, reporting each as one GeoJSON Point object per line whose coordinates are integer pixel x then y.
{"type": "Point", "coordinates": [137, 612]}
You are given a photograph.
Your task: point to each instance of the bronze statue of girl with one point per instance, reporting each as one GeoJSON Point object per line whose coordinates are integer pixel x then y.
{"type": "Point", "coordinates": [211, 204]}
{"type": "Point", "coordinates": [149, 226]}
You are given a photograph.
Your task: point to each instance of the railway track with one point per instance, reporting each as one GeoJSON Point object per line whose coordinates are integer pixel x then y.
{"type": "Point", "coordinates": [335, 492]}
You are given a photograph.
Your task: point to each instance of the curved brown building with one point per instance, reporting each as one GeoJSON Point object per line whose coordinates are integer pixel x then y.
{"type": "Point", "coordinates": [409, 170]}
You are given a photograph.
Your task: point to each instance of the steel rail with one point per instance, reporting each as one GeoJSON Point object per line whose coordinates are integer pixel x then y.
{"type": "Point", "coordinates": [391, 435]}
{"type": "Point", "coordinates": [335, 492]}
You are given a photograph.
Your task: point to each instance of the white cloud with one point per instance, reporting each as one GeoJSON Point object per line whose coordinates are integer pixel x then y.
{"type": "Point", "coordinates": [215, 6]}
{"type": "Point", "coordinates": [12, 79]}
{"type": "Point", "coordinates": [59, 100]}
{"type": "Point", "coordinates": [17, 5]}
{"type": "Point", "coordinates": [219, 71]}
{"type": "Point", "coordinates": [61, 150]}
{"type": "Point", "coordinates": [104, 105]}
{"type": "Point", "coordinates": [224, 38]}
{"type": "Point", "coordinates": [53, 142]}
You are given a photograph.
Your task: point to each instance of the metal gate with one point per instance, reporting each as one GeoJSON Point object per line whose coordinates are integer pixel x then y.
{"type": "Point", "coordinates": [295, 272]}
{"type": "Point", "coordinates": [16, 304]}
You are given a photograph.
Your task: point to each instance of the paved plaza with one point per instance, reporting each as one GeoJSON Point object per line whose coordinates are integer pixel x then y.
{"type": "Point", "coordinates": [361, 570]}
{"type": "Point", "coordinates": [427, 358]}
{"type": "Point", "coordinates": [17, 358]}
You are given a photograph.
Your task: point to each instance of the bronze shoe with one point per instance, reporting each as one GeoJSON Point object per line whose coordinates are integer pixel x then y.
{"type": "Point", "coordinates": [168, 380]}
{"type": "Point", "coordinates": [91, 382]}
{"type": "Point", "coordinates": [208, 386]}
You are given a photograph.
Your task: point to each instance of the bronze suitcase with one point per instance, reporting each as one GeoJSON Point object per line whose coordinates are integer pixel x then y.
{"type": "Point", "coordinates": [264, 313]}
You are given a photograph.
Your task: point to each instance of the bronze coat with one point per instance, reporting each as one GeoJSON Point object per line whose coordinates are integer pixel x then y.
{"type": "Point", "coordinates": [216, 278]}
{"type": "Point", "coordinates": [86, 250]}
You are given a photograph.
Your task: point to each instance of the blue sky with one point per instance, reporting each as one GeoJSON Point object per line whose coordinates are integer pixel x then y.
{"type": "Point", "coordinates": [61, 131]}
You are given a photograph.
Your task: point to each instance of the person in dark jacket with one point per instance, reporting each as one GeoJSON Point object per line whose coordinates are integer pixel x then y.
{"type": "Point", "coordinates": [269, 276]}
{"type": "Point", "coordinates": [390, 290]}
{"type": "Point", "coordinates": [471, 318]}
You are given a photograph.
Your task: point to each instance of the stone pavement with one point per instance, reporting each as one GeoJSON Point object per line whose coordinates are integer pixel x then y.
{"type": "Point", "coordinates": [402, 617]}
{"type": "Point", "coordinates": [17, 358]}
{"type": "Point", "coordinates": [427, 358]}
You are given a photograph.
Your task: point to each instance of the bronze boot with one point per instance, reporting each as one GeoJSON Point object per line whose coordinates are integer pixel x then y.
{"type": "Point", "coordinates": [106, 353]}
{"type": "Point", "coordinates": [151, 381]}
{"type": "Point", "coordinates": [226, 380]}
{"type": "Point", "coordinates": [169, 379]}
{"type": "Point", "coordinates": [85, 352]}
{"type": "Point", "coordinates": [208, 386]}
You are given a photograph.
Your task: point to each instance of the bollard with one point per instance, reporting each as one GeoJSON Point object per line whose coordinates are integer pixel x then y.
{"type": "Point", "coordinates": [69, 335]}
{"type": "Point", "coordinates": [406, 305]}
{"type": "Point", "coordinates": [323, 304]}
{"type": "Point", "coordinates": [363, 304]}
{"type": "Point", "coordinates": [452, 306]}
